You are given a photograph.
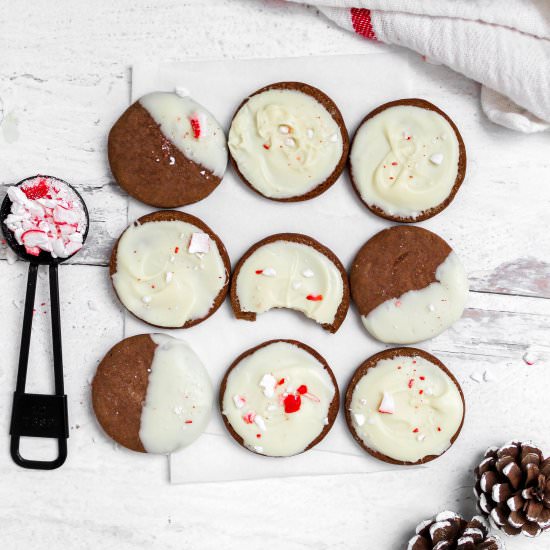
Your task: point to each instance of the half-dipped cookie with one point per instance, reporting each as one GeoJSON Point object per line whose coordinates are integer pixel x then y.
{"type": "Point", "coordinates": [288, 141]}
{"type": "Point", "coordinates": [293, 271]}
{"type": "Point", "coordinates": [404, 406]}
{"type": "Point", "coordinates": [170, 269]}
{"type": "Point", "coordinates": [279, 398]}
{"type": "Point", "coordinates": [167, 150]}
{"type": "Point", "coordinates": [408, 285]}
{"type": "Point", "coordinates": [151, 393]}
{"type": "Point", "coordinates": [407, 160]}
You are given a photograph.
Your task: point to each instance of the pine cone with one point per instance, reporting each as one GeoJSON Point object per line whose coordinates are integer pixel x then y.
{"type": "Point", "coordinates": [448, 531]}
{"type": "Point", "coordinates": [513, 489]}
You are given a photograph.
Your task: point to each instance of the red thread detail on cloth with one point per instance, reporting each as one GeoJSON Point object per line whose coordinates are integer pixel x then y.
{"type": "Point", "coordinates": [362, 24]}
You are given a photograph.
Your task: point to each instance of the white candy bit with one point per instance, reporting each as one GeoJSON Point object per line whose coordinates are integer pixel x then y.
{"type": "Point", "coordinates": [296, 285]}
{"type": "Point", "coordinates": [271, 407]}
{"type": "Point", "coordinates": [239, 401]}
{"type": "Point", "coordinates": [168, 276]}
{"type": "Point", "coordinates": [307, 273]}
{"type": "Point", "coordinates": [420, 437]}
{"type": "Point", "coordinates": [363, 401]}
{"type": "Point", "coordinates": [260, 422]}
{"type": "Point", "coordinates": [333, 138]}
{"type": "Point", "coordinates": [530, 358]}
{"type": "Point", "coordinates": [359, 419]}
{"type": "Point", "coordinates": [325, 421]}
{"type": "Point", "coordinates": [387, 406]}
{"type": "Point", "coordinates": [290, 142]}
{"type": "Point", "coordinates": [146, 299]}
{"type": "Point", "coordinates": [310, 133]}
{"type": "Point", "coordinates": [171, 161]}
{"type": "Point", "coordinates": [172, 258]}
{"type": "Point", "coordinates": [431, 307]}
{"type": "Point", "coordinates": [199, 243]}
{"type": "Point", "coordinates": [258, 449]}
{"type": "Point", "coordinates": [269, 272]}
{"type": "Point", "coordinates": [268, 384]}
{"type": "Point", "coordinates": [284, 129]}
{"type": "Point", "coordinates": [436, 158]}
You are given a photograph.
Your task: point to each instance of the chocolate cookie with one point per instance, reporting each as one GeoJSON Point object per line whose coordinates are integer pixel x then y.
{"type": "Point", "coordinates": [170, 269]}
{"type": "Point", "coordinates": [403, 406]}
{"type": "Point", "coordinates": [167, 151]}
{"type": "Point", "coordinates": [279, 398]}
{"type": "Point", "coordinates": [407, 160]}
{"type": "Point", "coordinates": [294, 271]}
{"type": "Point", "coordinates": [288, 141]}
{"type": "Point", "coordinates": [408, 285]}
{"type": "Point", "coordinates": [151, 393]}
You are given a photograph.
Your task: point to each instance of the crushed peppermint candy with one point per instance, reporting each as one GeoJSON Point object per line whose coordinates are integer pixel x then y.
{"type": "Point", "coordinates": [359, 419]}
{"type": "Point", "coordinates": [260, 422]}
{"type": "Point", "coordinates": [239, 401]}
{"type": "Point", "coordinates": [436, 159]}
{"type": "Point", "coordinates": [268, 383]}
{"type": "Point", "coordinates": [308, 273]}
{"type": "Point", "coordinates": [314, 297]}
{"type": "Point", "coordinates": [46, 215]}
{"type": "Point", "coordinates": [249, 417]}
{"type": "Point", "coordinates": [199, 243]}
{"type": "Point", "coordinates": [387, 405]}
{"type": "Point", "coordinates": [530, 358]}
{"type": "Point", "coordinates": [267, 272]}
{"type": "Point", "coordinates": [198, 124]}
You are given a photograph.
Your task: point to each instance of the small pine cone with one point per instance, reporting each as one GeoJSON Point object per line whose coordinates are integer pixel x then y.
{"type": "Point", "coordinates": [513, 489]}
{"type": "Point", "coordinates": [448, 531]}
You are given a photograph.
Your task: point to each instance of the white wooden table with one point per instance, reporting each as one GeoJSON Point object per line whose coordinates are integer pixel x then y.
{"type": "Point", "coordinates": [63, 80]}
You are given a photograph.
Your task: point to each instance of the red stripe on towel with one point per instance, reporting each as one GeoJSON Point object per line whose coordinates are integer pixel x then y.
{"type": "Point", "coordinates": [362, 24]}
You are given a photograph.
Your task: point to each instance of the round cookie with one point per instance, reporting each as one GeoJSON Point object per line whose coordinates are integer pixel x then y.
{"type": "Point", "coordinates": [408, 285]}
{"type": "Point", "coordinates": [293, 271]}
{"type": "Point", "coordinates": [279, 398]}
{"type": "Point", "coordinates": [288, 141]}
{"type": "Point", "coordinates": [170, 269]}
{"type": "Point", "coordinates": [167, 150]}
{"type": "Point", "coordinates": [407, 160]}
{"type": "Point", "coordinates": [403, 406]}
{"type": "Point", "coordinates": [151, 393]}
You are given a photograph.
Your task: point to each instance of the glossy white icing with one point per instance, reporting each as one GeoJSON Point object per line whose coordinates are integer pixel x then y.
{"type": "Point", "coordinates": [428, 408]}
{"type": "Point", "coordinates": [190, 127]}
{"type": "Point", "coordinates": [285, 143]}
{"type": "Point", "coordinates": [404, 160]}
{"type": "Point", "coordinates": [290, 275]}
{"type": "Point", "coordinates": [278, 398]}
{"type": "Point", "coordinates": [421, 314]}
{"type": "Point", "coordinates": [159, 280]}
{"type": "Point", "coordinates": [179, 398]}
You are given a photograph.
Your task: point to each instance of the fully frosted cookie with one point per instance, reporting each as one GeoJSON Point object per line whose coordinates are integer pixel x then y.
{"type": "Point", "coordinates": [408, 285]}
{"type": "Point", "coordinates": [288, 141]}
{"type": "Point", "coordinates": [407, 160]}
{"type": "Point", "coordinates": [279, 398]}
{"type": "Point", "coordinates": [404, 407]}
{"type": "Point", "coordinates": [170, 269]}
{"type": "Point", "coordinates": [167, 151]}
{"type": "Point", "coordinates": [151, 393]}
{"type": "Point", "coordinates": [293, 271]}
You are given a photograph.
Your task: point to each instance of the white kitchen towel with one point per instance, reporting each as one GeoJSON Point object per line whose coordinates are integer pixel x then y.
{"type": "Point", "coordinates": [503, 45]}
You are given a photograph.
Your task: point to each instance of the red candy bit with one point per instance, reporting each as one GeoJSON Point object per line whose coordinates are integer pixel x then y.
{"type": "Point", "coordinates": [267, 147]}
{"type": "Point", "coordinates": [292, 403]}
{"type": "Point", "coordinates": [249, 417]}
{"type": "Point", "coordinates": [302, 389]}
{"type": "Point", "coordinates": [195, 126]}
{"type": "Point", "coordinates": [398, 303]}
{"type": "Point", "coordinates": [314, 297]}
{"type": "Point", "coordinates": [258, 436]}
{"type": "Point", "coordinates": [189, 422]}
{"type": "Point", "coordinates": [422, 378]}
{"type": "Point", "coordinates": [281, 382]}
{"type": "Point", "coordinates": [259, 271]}
{"type": "Point", "coordinates": [411, 383]}
{"type": "Point", "coordinates": [438, 429]}
{"type": "Point", "coordinates": [176, 250]}
{"type": "Point", "coordinates": [415, 431]}
{"type": "Point", "coordinates": [38, 191]}
{"type": "Point", "coordinates": [394, 163]}
{"type": "Point", "coordinates": [420, 392]}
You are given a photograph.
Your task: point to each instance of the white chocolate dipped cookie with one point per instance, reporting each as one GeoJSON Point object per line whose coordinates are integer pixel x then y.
{"type": "Point", "coordinates": [151, 393]}
{"type": "Point", "coordinates": [279, 398]}
{"type": "Point", "coordinates": [288, 141]}
{"type": "Point", "coordinates": [408, 285]}
{"type": "Point", "coordinates": [407, 160]}
{"type": "Point", "coordinates": [292, 271]}
{"type": "Point", "coordinates": [167, 150]}
{"type": "Point", "coordinates": [404, 407]}
{"type": "Point", "coordinates": [170, 269]}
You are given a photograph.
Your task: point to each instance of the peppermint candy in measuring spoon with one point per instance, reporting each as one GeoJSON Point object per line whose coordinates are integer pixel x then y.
{"type": "Point", "coordinates": [47, 215]}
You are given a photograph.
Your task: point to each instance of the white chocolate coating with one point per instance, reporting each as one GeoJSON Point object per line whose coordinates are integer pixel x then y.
{"type": "Point", "coordinates": [174, 113]}
{"type": "Point", "coordinates": [285, 143]}
{"type": "Point", "coordinates": [428, 408]}
{"type": "Point", "coordinates": [421, 314]}
{"type": "Point", "coordinates": [255, 393]}
{"type": "Point", "coordinates": [283, 274]}
{"type": "Point", "coordinates": [159, 280]}
{"type": "Point", "coordinates": [179, 398]}
{"type": "Point", "coordinates": [404, 160]}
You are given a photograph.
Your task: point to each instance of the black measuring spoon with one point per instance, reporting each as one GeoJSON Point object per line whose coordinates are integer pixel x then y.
{"type": "Point", "coordinates": [40, 415]}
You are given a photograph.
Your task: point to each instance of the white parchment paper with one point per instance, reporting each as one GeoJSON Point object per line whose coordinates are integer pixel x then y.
{"type": "Point", "coordinates": [240, 217]}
